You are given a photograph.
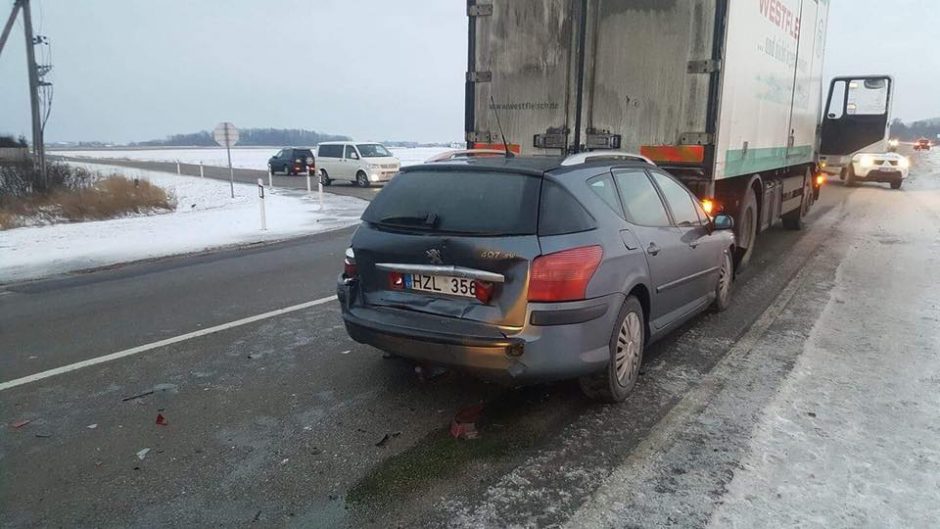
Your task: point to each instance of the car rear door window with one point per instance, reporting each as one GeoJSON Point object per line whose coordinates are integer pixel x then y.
{"type": "Point", "coordinates": [561, 213]}
{"type": "Point", "coordinates": [641, 201]}
{"type": "Point", "coordinates": [603, 186]}
{"type": "Point", "coordinates": [482, 203]}
{"type": "Point", "coordinates": [679, 200]}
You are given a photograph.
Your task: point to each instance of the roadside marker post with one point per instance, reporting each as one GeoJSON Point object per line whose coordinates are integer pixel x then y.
{"type": "Point", "coordinates": [308, 180]}
{"type": "Point", "coordinates": [226, 135]}
{"type": "Point", "coordinates": [178, 172]}
{"type": "Point", "coordinates": [271, 179]}
{"type": "Point", "coordinates": [202, 173]}
{"type": "Point", "coordinates": [264, 220]}
{"type": "Point", "coordinates": [320, 192]}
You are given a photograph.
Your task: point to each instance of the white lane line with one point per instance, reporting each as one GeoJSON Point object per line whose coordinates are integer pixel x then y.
{"type": "Point", "coordinates": [162, 343]}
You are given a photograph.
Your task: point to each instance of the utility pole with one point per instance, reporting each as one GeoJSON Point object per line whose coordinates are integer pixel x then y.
{"type": "Point", "coordinates": [38, 144]}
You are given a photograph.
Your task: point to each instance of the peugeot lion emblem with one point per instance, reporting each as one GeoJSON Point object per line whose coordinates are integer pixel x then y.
{"type": "Point", "coordinates": [434, 255]}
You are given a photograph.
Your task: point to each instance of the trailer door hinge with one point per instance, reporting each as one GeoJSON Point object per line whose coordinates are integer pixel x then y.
{"type": "Point", "coordinates": [479, 77]}
{"type": "Point", "coordinates": [706, 66]}
{"type": "Point", "coordinates": [696, 138]}
{"type": "Point", "coordinates": [479, 10]}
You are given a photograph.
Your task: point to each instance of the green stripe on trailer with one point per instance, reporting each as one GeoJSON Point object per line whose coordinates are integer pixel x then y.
{"type": "Point", "coordinates": [739, 162]}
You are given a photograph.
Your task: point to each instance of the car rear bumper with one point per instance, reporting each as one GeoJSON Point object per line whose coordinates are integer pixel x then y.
{"type": "Point", "coordinates": [880, 175]}
{"type": "Point", "coordinates": [572, 339]}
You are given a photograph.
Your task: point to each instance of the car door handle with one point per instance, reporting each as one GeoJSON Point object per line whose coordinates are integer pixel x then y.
{"type": "Point", "coordinates": [694, 244]}
{"type": "Point", "coordinates": [653, 249]}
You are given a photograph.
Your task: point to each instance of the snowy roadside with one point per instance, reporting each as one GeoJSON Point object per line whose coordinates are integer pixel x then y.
{"type": "Point", "coordinates": [242, 157]}
{"type": "Point", "coordinates": [206, 217]}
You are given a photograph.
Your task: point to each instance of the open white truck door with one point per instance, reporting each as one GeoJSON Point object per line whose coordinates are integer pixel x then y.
{"type": "Point", "coordinates": [857, 119]}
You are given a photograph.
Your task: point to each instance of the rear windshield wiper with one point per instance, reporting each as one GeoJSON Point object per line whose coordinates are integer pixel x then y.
{"type": "Point", "coordinates": [428, 220]}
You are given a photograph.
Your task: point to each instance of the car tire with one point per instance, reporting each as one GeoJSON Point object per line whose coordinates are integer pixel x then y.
{"type": "Point", "coordinates": [746, 223]}
{"type": "Point", "coordinates": [627, 341]}
{"type": "Point", "coordinates": [362, 179]}
{"type": "Point", "coordinates": [325, 178]}
{"type": "Point", "coordinates": [896, 184]}
{"type": "Point", "coordinates": [850, 179]}
{"type": "Point", "coordinates": [725, 284]}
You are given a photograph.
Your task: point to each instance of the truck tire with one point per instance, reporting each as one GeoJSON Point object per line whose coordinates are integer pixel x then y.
{"type": "Point", "coordinates": [627, 341]}
{"type": "Point", "coordinates": [850, 180]}
{"type": "Point", "coordinates": [746, 227]}
{"type": "Point", "coordinates": [794, 219]}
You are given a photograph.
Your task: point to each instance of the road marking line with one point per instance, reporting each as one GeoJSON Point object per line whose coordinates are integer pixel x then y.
{"type": "Point", "coordinates": [162, 343]}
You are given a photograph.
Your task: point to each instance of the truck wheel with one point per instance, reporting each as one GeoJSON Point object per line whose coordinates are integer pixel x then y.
{"type": "Point", "coordinates": [325, 178]}
{"type": "Point", "coordinates": [794, 219]}
{"type": "Point", "coordinates": [725, 283]}
{"type": "Point", "coordinates": [627, 340]}
{"type": "Point", "coordinates": [850, 180]}
{"type": "Point", "coordinates": [362, 180]}
{"type": "Point", "coordinates": [746, 224]}
{"type": "Point", "coordinates": [896, 184]}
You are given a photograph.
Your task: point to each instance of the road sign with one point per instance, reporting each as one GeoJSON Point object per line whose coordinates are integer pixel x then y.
{"type": "Point", "coordinates": [225, 134]}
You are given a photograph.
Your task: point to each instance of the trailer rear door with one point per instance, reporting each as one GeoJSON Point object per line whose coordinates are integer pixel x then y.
{"type": "Point", "coordinates": [522, 66]}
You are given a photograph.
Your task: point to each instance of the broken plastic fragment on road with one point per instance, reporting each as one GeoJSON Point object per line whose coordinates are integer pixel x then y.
{"type": "Point", "coordinates": [141, 454]}
{"type": "Point", "coordinates": [161, 420]}
{"type": "Point", "coordinates": [20, 424]}
{"type": "Point", "coordinates": [464, 424]}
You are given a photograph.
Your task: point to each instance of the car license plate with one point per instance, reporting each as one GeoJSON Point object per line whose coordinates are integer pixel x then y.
{"type": "Point", "coordinates": [453, 286]}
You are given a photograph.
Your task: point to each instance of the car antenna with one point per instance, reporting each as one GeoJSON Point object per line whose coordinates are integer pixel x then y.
{"type": "Point", "coordinates": [509, 153]}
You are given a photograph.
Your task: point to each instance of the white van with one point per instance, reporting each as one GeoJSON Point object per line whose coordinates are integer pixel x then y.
{"type": "Point", "coordinates": [361, 163]}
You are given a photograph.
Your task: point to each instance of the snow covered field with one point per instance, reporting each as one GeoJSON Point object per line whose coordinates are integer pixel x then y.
{"type": "Point", "coordinates": [242, 157]}
{"type": "Point", "coordinates": [206, 217]}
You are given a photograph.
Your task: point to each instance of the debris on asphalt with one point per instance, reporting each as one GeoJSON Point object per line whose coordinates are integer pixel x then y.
{"type": "Point", "coordinates": [43, 435]}
{"type": "Point", "coordinates": [429, 372]}
{"type": "Point", "coordinates": [285, 460]}
{"type": "Point", "coordinates": [257, 516]}
{"type": "Point", "coordinates": [142, 453]}
{"type": "Point", "coordinates": [386, 438]}
{"type": "Point", "coordinates": [161, 420]}
{"type": "Point", "coordinates": [464, 424]}
{"type": "Point", "coordinates": [345, 352]}
{"type": "Point", "coordinates": [139, 395]}
{"type": "Point", "coordinates": [92, 426]}
{"type": "Point", "coordinates": [22, 423]}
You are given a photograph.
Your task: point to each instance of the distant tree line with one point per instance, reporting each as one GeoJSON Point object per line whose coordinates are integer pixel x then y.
{"type": "Point", "coordinates": [9, 141]}
{"type": "Point", "coordinates": [247, 137]}
{"type": "Point", "coordinates": [928, 128]}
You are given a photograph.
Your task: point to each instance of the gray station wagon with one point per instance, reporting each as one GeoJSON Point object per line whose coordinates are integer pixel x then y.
{"type": "Point", "coordinates": [534, 269]}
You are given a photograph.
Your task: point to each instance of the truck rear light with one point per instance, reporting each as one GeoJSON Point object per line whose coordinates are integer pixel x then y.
{"type": "Point", "coordinates": [396, 281]}
{"type": "Point", "coordinates": [350, 270]}
{"type": "Point", "coordinates": [564, 276]}
{"type": "Point", "coordinates": [820, 180]}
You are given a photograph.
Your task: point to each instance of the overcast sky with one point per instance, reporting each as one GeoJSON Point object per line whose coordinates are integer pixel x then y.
{"type": "Point", "coordinates": [129, 70]}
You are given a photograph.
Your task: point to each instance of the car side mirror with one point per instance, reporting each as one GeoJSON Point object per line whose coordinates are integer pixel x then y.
{"type": "Point", "coordinates": [723, 222]}
{"type": "Point", "coordinates": [354, 156]}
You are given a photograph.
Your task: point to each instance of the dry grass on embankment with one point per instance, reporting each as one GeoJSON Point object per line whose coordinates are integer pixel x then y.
{"type": "Point", "coordinates": [107, 198]}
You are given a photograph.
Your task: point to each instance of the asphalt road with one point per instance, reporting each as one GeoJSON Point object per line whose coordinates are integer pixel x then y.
{"type": "Point", "coordinates": [285, 422]}
{"type": "Point", "coordinates": [246, 176]}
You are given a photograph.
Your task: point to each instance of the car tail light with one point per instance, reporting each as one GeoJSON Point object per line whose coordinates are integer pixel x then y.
{"type": "Point", "coordinates": [396, 281]}
{"type": "Point", "coordinates": [350, 270]}
{"type": "Point", "coordinates": [563, 276]}
{"type": "Point", "coordinates": [483, 291]}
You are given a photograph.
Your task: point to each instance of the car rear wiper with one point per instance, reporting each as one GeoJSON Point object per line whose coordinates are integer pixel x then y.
{"type": "Point", "coordinates": [428, 220]}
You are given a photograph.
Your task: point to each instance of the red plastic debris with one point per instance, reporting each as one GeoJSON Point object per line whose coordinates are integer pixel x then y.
{"type": "Point", "coordinates": [22, 423]}
{"type": "Point", "coordinates": [464, 425]}
{"type": "Point", "coordinates": [161, 420]}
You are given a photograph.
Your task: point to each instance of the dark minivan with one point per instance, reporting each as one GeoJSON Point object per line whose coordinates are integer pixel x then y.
{"type": "Point", "coordinates": [292, 161]}
{"type": "Point", "coordinates": [534, 269]}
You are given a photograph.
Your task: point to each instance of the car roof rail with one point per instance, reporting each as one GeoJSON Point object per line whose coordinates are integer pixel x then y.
{"type": "Point", "coordinates": [585, 157]}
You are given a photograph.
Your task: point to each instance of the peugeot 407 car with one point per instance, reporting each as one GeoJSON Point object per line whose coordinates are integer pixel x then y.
{"type": "Point", "coordinates": [534, 269]}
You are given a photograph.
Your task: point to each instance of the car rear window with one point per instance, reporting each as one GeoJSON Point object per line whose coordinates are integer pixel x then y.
{"type": "Point", "coordinates": [481, 203]}
{"type": "Point", "coordinates": [303, 153]}
{"type": "Point", "coordinates": [561, 213]}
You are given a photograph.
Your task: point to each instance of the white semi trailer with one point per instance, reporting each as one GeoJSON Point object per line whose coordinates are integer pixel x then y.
{"type": "Point", "coordinates": [726, 94]}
